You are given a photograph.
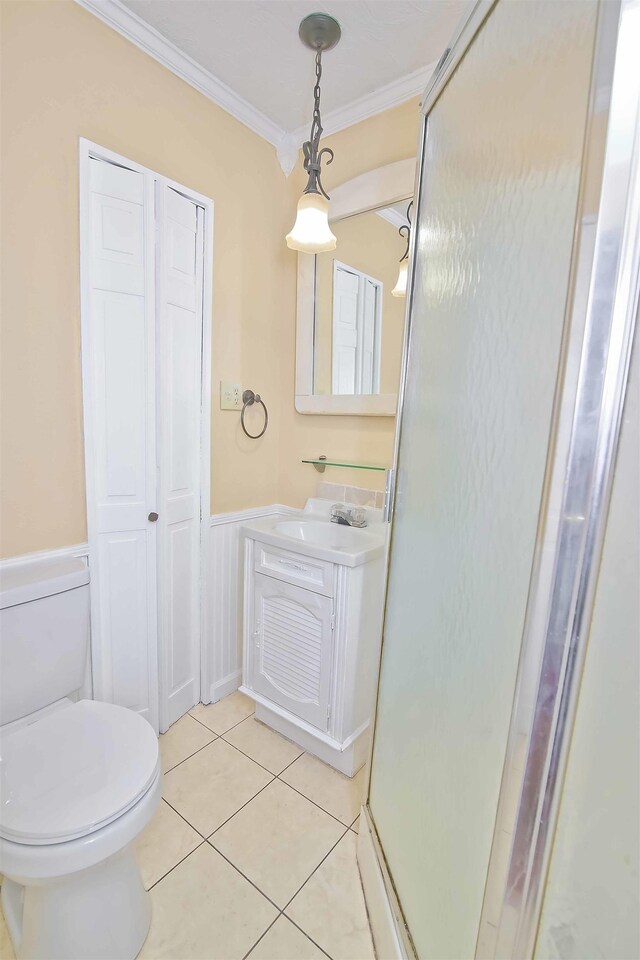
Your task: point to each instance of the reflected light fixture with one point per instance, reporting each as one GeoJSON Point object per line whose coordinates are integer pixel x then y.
{"type": "Point", "coordinates": [311, 232]}
{"type": "Point", "coordinates": [400, 289]}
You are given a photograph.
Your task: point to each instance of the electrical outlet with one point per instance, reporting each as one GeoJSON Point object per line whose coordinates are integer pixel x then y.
{"type": "Point", "coordinates": [230, 396]}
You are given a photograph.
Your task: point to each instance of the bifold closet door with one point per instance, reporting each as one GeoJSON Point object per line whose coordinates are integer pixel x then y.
{"type": "Point", "coordinates": [180, 246]}
{"type": "Point", "coordinates": [120, 402]}
{"type": "Point", "coordinates": [143, 250]}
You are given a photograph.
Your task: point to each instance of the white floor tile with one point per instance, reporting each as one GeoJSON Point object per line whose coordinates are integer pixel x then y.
{"type": "Point", "coordinates": [339, 795]}
{"type": "Point", "coordinates": [182, 739]}
{"type": "Point", "coordinates": [211, 786]}
{"type": "Point", "coordinates": [205, 909]}
{"type": "Point", "coordinates": [263, 745]}
{"type": "Point", "coordinates": [164, 843]}
{"type": "Point", "coordinates": [283, 941]}
{"type": "Point", "coordinates": [331, 909]}
{"type": "Point", "coordinates": [277, 840]}
{"type": "Point", "coordinates": [6, 949]}
{"type": "Point", "coordinates": [224, 714]}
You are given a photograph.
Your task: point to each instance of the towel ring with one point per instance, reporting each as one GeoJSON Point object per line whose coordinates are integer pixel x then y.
{"type": "Point", "coordinates": [248, 399]}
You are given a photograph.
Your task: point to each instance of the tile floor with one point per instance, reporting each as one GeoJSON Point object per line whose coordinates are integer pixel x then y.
{"type": "Point", "coordinates": [252, 852]}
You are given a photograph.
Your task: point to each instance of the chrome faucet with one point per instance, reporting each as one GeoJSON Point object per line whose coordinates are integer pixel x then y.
{"type": "Point", "coordinates": [349, 516]}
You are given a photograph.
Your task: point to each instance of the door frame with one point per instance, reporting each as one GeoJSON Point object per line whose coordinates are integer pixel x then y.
{"type": "Point", "coordinates": [89, 150]}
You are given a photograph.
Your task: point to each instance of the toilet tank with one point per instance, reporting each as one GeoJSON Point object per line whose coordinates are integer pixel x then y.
{"type": "Point", "coordinates": [44, 634]}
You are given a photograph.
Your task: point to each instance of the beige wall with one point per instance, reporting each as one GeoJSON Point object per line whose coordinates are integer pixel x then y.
{"type": "Point", "coordinates": [67, 75]}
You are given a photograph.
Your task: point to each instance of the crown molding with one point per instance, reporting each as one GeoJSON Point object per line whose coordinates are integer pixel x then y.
{"type": "Point", "coordinates": [147, 38]}
{"type": "Point", "coordinates": [287, 143]}
{"type": "Point", "coordinates": [393, 216]}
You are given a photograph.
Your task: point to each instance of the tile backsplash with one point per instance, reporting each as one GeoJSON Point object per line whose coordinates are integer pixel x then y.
{"type": "Point", "coordinates": [342, 493]}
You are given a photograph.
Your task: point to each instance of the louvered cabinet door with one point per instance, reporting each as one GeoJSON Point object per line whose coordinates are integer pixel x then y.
{"type": "Point", "coordinates": [293, 641]}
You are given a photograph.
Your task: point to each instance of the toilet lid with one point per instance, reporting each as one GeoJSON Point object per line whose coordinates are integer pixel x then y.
{"type": "Point", "coordinates": [73, 771]}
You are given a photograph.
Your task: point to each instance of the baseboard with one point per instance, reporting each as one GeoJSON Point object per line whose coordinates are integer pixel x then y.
{"type": "Point", "coordinates": [347, 757]}
{"type": "Point", "coordinates": [222, 688]}
{"type": "Point", "coordinates": [390, 936]}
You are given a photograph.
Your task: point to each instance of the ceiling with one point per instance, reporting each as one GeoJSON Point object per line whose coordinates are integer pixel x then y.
{"type": "Point", "coordinates": [252, 46]}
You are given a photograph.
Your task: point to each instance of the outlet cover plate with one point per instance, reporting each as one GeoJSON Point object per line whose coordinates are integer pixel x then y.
{"type": "Point", "coordinates": [230, 396]}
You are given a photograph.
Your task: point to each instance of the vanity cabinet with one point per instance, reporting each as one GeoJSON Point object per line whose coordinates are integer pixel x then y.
{"type": "Point", "coordinates": [312, 632]}
{"type": "Point", "coordinates": [292, 638]}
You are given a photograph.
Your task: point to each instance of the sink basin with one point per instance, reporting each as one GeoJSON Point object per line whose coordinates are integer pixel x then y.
{"type": "Point", "coordinates": [335, 535]}
{"type": "Point", "coordinates": [312, 534]}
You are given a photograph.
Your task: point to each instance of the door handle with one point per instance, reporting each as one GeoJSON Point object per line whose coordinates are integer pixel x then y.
{"type": "Point", "coordinates": [152, 517]}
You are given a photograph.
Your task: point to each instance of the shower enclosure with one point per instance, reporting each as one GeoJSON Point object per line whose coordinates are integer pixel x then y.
{"type": "Point", "coordinates": [521, 316]}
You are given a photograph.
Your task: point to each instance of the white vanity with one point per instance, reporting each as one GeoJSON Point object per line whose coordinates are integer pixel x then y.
{"type": "Point", "coordinates": [313, 603]}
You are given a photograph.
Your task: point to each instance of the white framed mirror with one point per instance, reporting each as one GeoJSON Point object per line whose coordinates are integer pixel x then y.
{"type": "Point", "coordinates": [349, 325]}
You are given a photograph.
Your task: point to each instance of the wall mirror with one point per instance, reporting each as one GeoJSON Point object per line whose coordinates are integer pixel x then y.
{"type": "Point", "coordinates": [349, 325]}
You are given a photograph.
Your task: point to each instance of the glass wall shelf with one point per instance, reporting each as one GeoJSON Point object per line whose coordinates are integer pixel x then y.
{"type": "Point", "coordinates": [321, 462]}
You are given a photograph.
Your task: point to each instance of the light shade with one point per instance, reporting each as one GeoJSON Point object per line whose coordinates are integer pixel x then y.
{"type": "Point", "coordinates": [400, 289]}
{"type": "Point", "coordinates": [311, 232]}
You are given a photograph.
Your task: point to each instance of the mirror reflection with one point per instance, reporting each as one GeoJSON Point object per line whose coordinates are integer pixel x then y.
{"type": "Point", "coordinates": [359, 316]}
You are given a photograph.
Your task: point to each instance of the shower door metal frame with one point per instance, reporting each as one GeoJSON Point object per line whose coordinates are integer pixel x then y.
{"type": "Point", "coordinates": [600, 318]}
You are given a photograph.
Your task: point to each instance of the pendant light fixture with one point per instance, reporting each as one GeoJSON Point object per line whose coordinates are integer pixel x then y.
{"type": "Point", "coordinates": [311, 232]}
{"type": "Point", "coordinates": [400, 289]}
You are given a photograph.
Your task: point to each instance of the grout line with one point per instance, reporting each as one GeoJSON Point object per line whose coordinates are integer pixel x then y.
{"type": "Point", "coordinates": [240, 808]}
{"type": "Point", "coordinates": [328, 813]}
{"type": "Point", "coordinates": [185, 819]}
{"type": "Point", "coordinates": [253, 760]}
{"type": "Point", "coordinates": [171, 869]}
{"type": "Point", "coordinates": [253, 946]}
{"type": "Point", "coordinates": [257, 762]}
{"type": "Point", "coordinates": [248, 879]}
{"type": "Point", "coordinates": [274, 776]}
{"type": "Point", "coordinates": [292, 762]}
{"type": "Point", "coordinates": [215, 737]}
{"type": "Point", "coordinates": [213, 731]}
{"type": "Point", "coordinates": [302, 930]}
{"type": "Point", "coordinates": [315, 869]}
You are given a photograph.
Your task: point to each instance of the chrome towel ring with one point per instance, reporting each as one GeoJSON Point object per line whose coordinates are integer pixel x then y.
{"type": "Point", "coordinates": [248, 399]}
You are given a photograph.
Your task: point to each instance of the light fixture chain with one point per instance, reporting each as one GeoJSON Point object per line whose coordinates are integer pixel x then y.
{"type": "Point", "coordinates": [316, 124]}
{"type": "Point", "coordinates": [312, 153]}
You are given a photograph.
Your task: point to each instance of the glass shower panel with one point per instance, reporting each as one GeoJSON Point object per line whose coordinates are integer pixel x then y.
{"type": "Point", "coordinates": [501, 172]}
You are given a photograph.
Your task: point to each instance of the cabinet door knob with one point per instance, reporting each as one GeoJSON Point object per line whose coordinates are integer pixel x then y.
{"type": "Point", "coordinates": [152, 517]}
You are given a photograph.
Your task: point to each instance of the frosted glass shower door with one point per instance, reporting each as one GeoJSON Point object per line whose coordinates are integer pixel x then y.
{"type": "Point", "coordinates": [500, 180]}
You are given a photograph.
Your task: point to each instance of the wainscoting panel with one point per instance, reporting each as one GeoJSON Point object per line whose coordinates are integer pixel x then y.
{"type": "Point", "coordinates": [222, 636]}
{"type": "Point", "coordinates": [222, 649]}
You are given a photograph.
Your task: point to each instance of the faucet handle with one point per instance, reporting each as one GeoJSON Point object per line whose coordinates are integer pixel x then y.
{"type": "Point", "coordinates": [357, 517]}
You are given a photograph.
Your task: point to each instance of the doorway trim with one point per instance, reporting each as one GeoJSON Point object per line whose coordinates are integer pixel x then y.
{"type": "Point", "coordinates": [89, 150]}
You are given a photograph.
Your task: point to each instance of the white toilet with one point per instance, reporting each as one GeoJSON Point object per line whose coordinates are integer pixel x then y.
{"type": "Point", "coordinates": [78, 780]}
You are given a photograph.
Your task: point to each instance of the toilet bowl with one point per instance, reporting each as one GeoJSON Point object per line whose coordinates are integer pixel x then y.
{"type": "Point", "coordinates": [78, 785]}
{"type": "Point", "coordinates": [79, 781]}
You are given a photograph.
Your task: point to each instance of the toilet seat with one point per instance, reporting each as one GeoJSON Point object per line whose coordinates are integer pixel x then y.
{"type": "Point", "coordinates": [73, 772]}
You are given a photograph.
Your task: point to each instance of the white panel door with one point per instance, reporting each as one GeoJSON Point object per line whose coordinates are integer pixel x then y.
{"type": "Point", "coordinates": [179, 338]}
{"type": "Point", "coordinates": [119, 396]}
{"type": "Point", "coordinates": [293, 637]}
{"type": "Point", "coordinates": [345, 330]}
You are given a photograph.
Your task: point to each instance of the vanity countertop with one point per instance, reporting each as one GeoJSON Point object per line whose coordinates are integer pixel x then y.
{"type": "Point", "coordinates": [310, 532]}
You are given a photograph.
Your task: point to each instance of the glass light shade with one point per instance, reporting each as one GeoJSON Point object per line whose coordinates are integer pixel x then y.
{"type": "Point", "coordinates": [400, 289]}
{"type": "Point", "coordinates": [311, 232]}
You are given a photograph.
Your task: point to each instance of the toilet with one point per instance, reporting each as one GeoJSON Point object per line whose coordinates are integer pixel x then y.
{"type": "Point", "coordinates": [79, 779]}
